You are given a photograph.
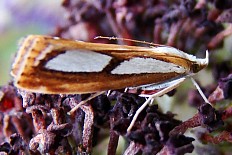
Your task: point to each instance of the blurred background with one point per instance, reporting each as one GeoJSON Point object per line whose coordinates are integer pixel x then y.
{"type": "Point", "coordinates": [19, 18]}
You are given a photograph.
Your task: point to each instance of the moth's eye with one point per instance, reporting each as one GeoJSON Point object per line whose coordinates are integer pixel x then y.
{"type": "Point", "coordinates": [195, 68]}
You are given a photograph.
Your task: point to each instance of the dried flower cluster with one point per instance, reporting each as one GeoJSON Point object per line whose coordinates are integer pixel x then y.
{"type": "Point", "coordinates": [38, 123]}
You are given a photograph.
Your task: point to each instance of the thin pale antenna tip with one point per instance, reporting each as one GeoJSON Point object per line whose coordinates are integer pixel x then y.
{"type": "Point", "coordinates": [97, 37]}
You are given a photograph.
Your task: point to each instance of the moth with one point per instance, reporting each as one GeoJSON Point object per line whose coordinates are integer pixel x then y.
{"type": "Point", "coordinates": [52, 65]}
{"type": "Point", "coordinates": [58, 66]}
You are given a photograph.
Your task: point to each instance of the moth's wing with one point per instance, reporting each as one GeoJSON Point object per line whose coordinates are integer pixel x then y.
{"type": "Point", "coordinates": [58, 66]}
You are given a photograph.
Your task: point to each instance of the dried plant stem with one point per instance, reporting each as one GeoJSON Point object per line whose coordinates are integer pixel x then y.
{"type": "Point", "coordinates": [190, 123]}
{"type": "Point", "coordinates": [113, 142]}
{"type": "Point", "coordinates": [88, 128]}
{"type": "Point", "coordinates": [133, 148]}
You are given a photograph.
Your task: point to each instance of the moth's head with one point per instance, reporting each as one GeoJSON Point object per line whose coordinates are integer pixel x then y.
{"type": "Point", "coordinates": [199, 64]}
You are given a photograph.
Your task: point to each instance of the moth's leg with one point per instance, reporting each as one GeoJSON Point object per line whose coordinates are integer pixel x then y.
{"type": "Point", "coordinates": [108, 93]}
{"type": "Point", "coordinates": [200, 91]}
{"type": "Point", "coordinates": [153, 96]}
{"type": "Point", "coordinates": [125, 90]}
{"type": "Point", "coordinates": [84, 101]}
{"type": "Point", "coordinates": [159, 86]}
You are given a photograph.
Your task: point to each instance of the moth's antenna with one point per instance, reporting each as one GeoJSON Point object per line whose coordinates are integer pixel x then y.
{"type": "Point", "coordinates": [124, 39]}
{"type": "Point", "coordinates": [200, 91]}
